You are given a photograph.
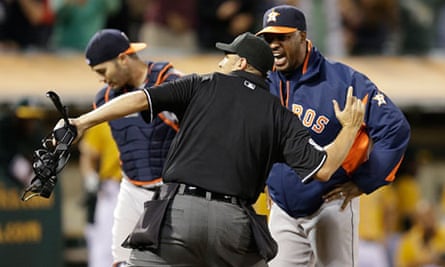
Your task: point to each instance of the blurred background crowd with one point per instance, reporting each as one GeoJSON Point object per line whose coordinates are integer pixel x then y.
{"type": "Point", "coordinates": [406, 219]}
{"type": "Point", "coordinates": [338, 27]}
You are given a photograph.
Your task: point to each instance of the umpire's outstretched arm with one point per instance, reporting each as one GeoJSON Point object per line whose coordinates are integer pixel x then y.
{"type": "Point", "coordinates": [116, 108]}
{"type": "Point", "coordinates": [351, 118]}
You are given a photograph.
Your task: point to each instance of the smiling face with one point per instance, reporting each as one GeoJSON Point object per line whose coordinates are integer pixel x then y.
{"type": "Point", "coordinates": [289, 50]}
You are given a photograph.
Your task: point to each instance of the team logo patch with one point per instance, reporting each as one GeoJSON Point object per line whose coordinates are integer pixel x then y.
{"type": "Point", "coordinates": [249, 85]}
{"type": "Point", "coordinates": [380, 98]}
{"type": "Point", "coordinates": [272, 16]}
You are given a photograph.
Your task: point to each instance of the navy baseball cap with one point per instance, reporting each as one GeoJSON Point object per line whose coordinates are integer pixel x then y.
{"type": "Point", "coordinates": [107, 44]}
{"type": "Point", "coordinates": [254, 49]}
{"type": "Point", "coordinates": [283, 19]}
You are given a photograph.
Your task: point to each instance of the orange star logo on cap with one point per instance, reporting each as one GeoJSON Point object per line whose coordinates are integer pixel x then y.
{"type": "Point", "coordinates": [272, 16]}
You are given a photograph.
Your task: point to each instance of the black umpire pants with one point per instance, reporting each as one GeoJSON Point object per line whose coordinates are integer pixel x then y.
{"type": "Point", "coordinates": [202, 233]}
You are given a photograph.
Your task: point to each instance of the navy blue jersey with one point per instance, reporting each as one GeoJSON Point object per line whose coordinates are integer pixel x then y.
{"type": "Point", "coordinates": [377, 151]}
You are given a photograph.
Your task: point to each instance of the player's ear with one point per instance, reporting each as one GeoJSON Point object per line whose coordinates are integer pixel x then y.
{"type": "Point", "coordinates": [242, 63]}
{"type": "Point", "coordinates": [122, 57]}
{"type": "Point", "coordinates": [303, 35]}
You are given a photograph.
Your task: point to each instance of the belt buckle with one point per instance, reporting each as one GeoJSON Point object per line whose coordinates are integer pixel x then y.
{"type": "Point", "coordinates": [196, 191]}
{"type": "Point", "coordinates": [228, 199]}
{"type": "Point", "coordinates": [232, 199]}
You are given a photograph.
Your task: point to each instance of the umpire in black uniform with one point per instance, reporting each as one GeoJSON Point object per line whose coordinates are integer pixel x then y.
{"type": "Point", "coordinates": [232, 130]}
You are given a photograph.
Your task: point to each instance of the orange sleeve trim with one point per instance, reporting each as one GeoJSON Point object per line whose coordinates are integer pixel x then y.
{"type": "Point", "coordinates": [170, 123]}
{"type": "Point", "coordinates": [365, 99]}
{"type": "Point", "coordinates": [142, 183]}
{"type": "Point", "coordinates": [359, 152]}
{"type": "Point", "coordinates": [392, 175]}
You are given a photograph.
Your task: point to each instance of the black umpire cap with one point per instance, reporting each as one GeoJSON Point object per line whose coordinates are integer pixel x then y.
{"type": "Point", "coordinates": [254, 49]}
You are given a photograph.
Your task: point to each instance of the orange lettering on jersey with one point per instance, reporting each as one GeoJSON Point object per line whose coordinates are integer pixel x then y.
{"type": "Point", "coordinates": [320, 124]}
{"type": "Point", "coordinates": [297, 110]}
{"type": "Point", "coordinates": [309, 117]}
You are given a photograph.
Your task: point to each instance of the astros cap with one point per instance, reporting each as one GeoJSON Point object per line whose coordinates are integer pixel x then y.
{"type": "Point", "coordinates": [283, 19]}
{"type": "Point", "coordinates": [108, 44]}
{"type": "Point", "coordinates": [254, 49]}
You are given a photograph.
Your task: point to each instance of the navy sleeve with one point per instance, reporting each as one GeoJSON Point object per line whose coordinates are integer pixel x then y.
{"type": "Point", "coordinates": [389, 132]}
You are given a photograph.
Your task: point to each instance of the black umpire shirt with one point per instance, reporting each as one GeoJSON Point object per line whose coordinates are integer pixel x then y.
{"type": "Point", "coordinates": [231, 132]}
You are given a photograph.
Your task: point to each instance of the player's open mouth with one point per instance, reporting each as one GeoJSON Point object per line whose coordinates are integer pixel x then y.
{"type": "Point", "coordinates": [279, 59]}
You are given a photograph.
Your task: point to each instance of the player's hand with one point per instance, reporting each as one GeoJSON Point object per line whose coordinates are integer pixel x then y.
{"type": "Point", "coordinates": [73, 122]}
{"type": "Point", "coordinates": [346, 191]}
{"type": "Point", "coordinates": [353, 113]}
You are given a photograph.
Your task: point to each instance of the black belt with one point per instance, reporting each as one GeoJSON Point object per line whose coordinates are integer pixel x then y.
{"type": "Point", "coordinates": [152, 189]}
{"type": "Point", "coordinates": [199, 192]}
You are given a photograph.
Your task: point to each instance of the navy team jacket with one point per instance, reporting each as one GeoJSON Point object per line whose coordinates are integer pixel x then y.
{"type": "Point", "coordinates": [378, 149]}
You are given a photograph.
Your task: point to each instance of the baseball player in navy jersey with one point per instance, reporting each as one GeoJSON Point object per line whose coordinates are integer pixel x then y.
{"type": "Point", "coordinates": [317, 223]}
{"type": "Point", "coordinates": [143, 146]}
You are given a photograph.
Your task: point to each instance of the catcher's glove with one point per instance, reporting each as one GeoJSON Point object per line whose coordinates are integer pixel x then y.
{"type": "Point", "coordinates": [50, 160]}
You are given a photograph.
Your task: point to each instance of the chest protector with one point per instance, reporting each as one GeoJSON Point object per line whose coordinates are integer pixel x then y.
{"type": "Point", "coordinates": [143, 146]}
